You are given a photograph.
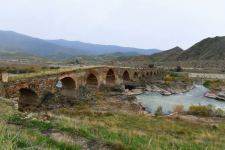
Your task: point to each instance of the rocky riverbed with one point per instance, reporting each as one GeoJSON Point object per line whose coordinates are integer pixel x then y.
{"type": "Point", "coordinates": [154, 88]}
{"type": "Point", "coordinates": [216, 95]}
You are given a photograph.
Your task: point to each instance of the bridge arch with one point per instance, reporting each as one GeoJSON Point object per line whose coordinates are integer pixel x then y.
{"type": "Point", "coordinates": [126, 76]}
{"type": "Point", "coordinates": [67, 85]}
{"type": "Point", "coordinates": [143, 75]}
{"type": "Point", "coordinates": [110, 77]}
{"type": "Point", "coordinates": [92, 81]}
{"type": "Point", "coordinates": [135, 75]}
{"type": "Point", "coordinates": [28, 99]}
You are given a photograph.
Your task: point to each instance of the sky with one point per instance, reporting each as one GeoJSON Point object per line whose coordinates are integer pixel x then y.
{"type": "Point", "coordinates": [161, 24]}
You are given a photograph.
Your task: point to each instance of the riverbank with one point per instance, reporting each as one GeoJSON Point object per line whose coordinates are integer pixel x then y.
{"type": "Point", "coordinates": [216, 89]}
{"type": "Point", "coordinates": [166, 91]}
{"type": "Point", "coordinates": [109, 123]}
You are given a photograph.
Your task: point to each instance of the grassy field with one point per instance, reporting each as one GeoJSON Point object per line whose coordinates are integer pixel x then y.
{"type": "Point", "coordinates": [105, 124]}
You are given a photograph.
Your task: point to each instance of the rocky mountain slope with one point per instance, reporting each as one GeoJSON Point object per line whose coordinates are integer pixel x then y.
{"type": "Point", "coordinates": [169, 55]}
{"type": "Point", "coordinates": [207, 49]}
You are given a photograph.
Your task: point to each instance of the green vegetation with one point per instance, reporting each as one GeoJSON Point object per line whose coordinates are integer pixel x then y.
{"type": "Point", "coordinates": [159, 111]}
{"type": "Point", "coordinates": [20, 70]}
{"type": "Point", "coordinates": [111, 124]}
{"type": "Point", "coordinates": [214, 84]}
{"type": "Point", "coordinates": [19, 132]}
{"type": "Point", "coordinates": [207, 111]}
{"type": "Point", "coordinates": [172, 78]}
{"type": "Point", "coordinates": [48, 72]}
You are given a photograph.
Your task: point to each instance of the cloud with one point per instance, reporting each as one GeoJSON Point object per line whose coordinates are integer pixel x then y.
{"type": "Point", "coordinates": [139, 23]}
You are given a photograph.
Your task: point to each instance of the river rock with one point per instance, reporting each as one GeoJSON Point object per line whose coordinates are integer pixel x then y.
{"type": "Point", "coordinates": [156, 89]}
{"type": "Point", "coordinates": [218, 96]}
{"type": "Point", "coordinates": [148, 88]}
{"type": "Point", "coordinates": [165, 93]}
{"type": "Point", "coordinates": [221, 94]}
{"type": "Point", "coordinates": [133, 92]}
{"type": "Point", "coordinates": [211, 95]}
{"type": "Point", "coordinates": [137, 91]}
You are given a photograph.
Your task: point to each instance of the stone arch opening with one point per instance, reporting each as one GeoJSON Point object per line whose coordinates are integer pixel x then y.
{"type": "Point", "coordinates": [67, 86]}
{"type": "Point", "coordinates": [68, 83]}
{"type": "Point", "coordinates": [147, 74]}
{"type": "Point", "coordinates": [110, 77]}
{"type": "Point", "coordinates": [28, 99]}
{"type": "Point", "coordinates": [135, 75]}
{"type": "Point", "coordinates": [92, 81]}
{"type": "Point", "coordinates": [126, 76]}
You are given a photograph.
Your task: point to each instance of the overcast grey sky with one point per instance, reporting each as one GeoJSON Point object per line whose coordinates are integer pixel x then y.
{"type": "Point", "coordinates": [159, 24]}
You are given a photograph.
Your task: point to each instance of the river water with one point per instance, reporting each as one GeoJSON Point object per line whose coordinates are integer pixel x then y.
{"type": "Point", "coordinates": [153, 100]}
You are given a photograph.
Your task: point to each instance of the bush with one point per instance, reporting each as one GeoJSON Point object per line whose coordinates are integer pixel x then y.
{"type": "Point", "coordinates": [179, 69]}
{"type": "Point", "coordinates": [20, 70]}
{"type": "Point", "coordinates": [219, 113]}
{"type": "Point", "coordinates": [159, 111]}
{"type": "Point", "coordinates": [214, 84]}
{"type": "Point", "coordinates": [168, 78]}
{"type": "Point", "coordinates": [179, 108]}
{"type": "Point", "coordinates": [206, 111]}
{"type": "Point", "coordinates": [199, 110]}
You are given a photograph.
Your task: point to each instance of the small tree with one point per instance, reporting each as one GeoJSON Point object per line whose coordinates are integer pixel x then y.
{"type": "Point", "coordinates": [151, 66]}
{"type": "Point", "coordinates": [159, 111]}
{"type": "Point", "coordinates": [179, 69]}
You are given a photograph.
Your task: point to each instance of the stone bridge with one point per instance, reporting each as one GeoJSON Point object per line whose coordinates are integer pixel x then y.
{"type": "Point", "coordinates": [30, 90]}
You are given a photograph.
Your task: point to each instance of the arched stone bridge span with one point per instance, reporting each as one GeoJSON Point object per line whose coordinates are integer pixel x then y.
{"type": "Point", "coordinates": [69, 81]}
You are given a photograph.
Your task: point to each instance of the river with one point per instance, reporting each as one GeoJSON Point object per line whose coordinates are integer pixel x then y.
{"type": "Point", "coordinates": [153, 100]}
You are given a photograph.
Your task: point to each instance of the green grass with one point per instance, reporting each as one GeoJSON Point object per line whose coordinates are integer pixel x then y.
{"type": "Point", "coordinates": [112, 123]}
{"type": "Point", "coordinates": [137, 131]}
{"type": "Point", "coordinates": [19, 132]}
{"type": "Point", "coordinates": [49, 72]}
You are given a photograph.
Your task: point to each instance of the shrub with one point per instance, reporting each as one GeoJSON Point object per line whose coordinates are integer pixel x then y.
{"type": "Point", "coordinates": [168, 78]}
{"type": "Point", "coordinates": [199, 110]}
{"type": "Point", "coordinates": [20, 70]}
{"type": "Point", "coordinates": [179, 108]}
{"type": "Point", "coordinates": [179, 69]}
{"type": "Point", "coordinates": [219, 113]}
{"type": "Point", "coordinates": [207, 111]}
{"type": "Point", "coordinates": [214, 84]}
{"type": "Point", "coordinates": [159, 111]}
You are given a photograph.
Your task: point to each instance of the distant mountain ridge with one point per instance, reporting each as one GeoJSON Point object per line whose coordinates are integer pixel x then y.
{"type": "Point", "coordinates": [97, 49]}
{"type": "Point", "coordinates": [12, 42]}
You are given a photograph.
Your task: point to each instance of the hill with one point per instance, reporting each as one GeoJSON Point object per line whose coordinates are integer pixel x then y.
{"type": "Point", "coordinates": [207, 49]}
{"type": "Point", "coordinates": [14, 43]}
{"type": "Point", "coordinates": [97, 49]}
{"type": "Point", "coordinates": [169, 55]}
{"type": "Point", "coordinates": [19, 43]}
